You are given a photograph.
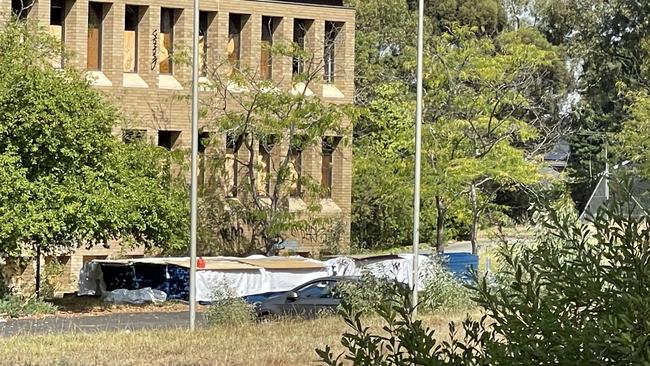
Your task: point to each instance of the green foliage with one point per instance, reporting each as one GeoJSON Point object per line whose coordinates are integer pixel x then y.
{"type": "Point", "coordinates": [366, 295]}
{"type": "Point", "coordinates": [16, 306]}
{"type": "Point", "coordinates": [273, 198]}
{"type": "Point", "coordinates": [578, 295]}
{"type": "Point", "coordinates": [52, 278]}
{"type": "Point", "coordinates": [66, 181]}
{"type": "Point", "coordinates": [227, 308]}
{"type": "Point", "coordinates": [635, 136]}
{"type": "Point", "coordinates": [442, 291]}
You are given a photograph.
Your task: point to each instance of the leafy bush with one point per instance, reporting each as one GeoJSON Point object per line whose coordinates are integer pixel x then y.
{"type": "Point", "coordinates": [442, 290]}
{"type": "Point", "coordinates": [578, 296]}
{"type": "Point", "coordinates": [16, 306]}
{"type": "Point", "coordinates": [227, 308]}
{"type": "Point", "coordinates": [366, 295]}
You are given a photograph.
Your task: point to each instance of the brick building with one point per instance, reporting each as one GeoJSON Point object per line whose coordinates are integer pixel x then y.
{"type": "Point", "coordinates": [124, 47]}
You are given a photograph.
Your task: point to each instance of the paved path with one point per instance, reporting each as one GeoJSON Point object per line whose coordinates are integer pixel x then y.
{"type": "Point", "coordinates": [99, 323]}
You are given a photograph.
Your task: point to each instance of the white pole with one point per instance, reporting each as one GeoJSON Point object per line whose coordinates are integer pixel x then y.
{"type": "Point", "coordinates": [418, 148]}
{"type": "Point", "coordinates": [195, 152]}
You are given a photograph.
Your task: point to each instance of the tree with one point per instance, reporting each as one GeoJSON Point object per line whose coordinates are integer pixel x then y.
{"type": "Point", "coordinates": [270, 128]}
{"type": "Point", "coordinates": [578, 295]}
{"type": "Point", "coordinates": [606, 40]}
{"type": "Point", "coordinates": [66, 181]}
{"type": "Point", "coordinates": [482, 119]}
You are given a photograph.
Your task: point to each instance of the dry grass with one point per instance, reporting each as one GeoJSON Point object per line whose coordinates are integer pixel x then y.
{"type": "Point", "coordinates": [284, 343]}
{"type": "Point", "coordinates": [87, 305]}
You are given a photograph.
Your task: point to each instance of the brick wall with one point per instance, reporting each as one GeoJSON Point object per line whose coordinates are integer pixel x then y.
{"type": "Point", "coordinates": [153, 103]}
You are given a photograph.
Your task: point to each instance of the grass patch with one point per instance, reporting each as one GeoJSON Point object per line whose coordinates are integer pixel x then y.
{"type": "Point", "coordinates": [282, 343]}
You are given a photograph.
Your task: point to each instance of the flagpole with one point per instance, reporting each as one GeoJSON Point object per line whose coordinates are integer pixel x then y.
{"type": "Point", "coordinates": [195, 151]}
{"type": "Point", "coordinates": [418, 153]}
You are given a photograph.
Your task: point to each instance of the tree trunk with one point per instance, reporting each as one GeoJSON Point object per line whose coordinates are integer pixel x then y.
{"type": "Point", "coordinates": [475, 217]}
{"type": "Point", "coordinates": [440, 225]}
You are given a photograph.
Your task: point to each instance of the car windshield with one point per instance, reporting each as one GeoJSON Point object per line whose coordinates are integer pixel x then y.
{"type": "Point", "coordinates": [320, 289]}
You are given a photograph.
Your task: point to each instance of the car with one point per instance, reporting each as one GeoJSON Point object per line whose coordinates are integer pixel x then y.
{"type": "Point", "coordinates": [307, 300]}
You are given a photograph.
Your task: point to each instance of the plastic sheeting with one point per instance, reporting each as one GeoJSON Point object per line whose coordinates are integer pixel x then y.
{"type": "Point", "coordinates": [140, 296]}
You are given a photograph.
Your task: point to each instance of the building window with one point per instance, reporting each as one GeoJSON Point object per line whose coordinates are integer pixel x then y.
{"type": "Point", "coordinates": [300, 29]}
{"type": "Point", "coordinates": [235, 27]}
{"type": "Point", "coordinates": [295, 166]}
{"type": "Point", "coordinates": [57, 16]}
{"type": "Point", "coordinates": [332, 31]}
{"type": "Point", "coordinates": [327, 165]}
{"type": "Point", "coordinates": [168, 139]}
{"type": "Point", "coordinates": [130, 136]}
{"type": "Point", "coordinates": [166, 44]}
{"type": "Point", "coordinates": [204, 141]}
{"type": "Point", "coordinates": [205, 18]}
{"type": "Point", "coordinates": [269, 26]}
{"type": "Point", "coordinates": [264, 162]}
{"type": "Point", "coordinates": [20, 8]}
{"type": "Point", "coordinates": [94, 44]}
{"type": "Point", "coordinates": [233, 144]}
{"type": "Point", "coordinates": [131, 22]}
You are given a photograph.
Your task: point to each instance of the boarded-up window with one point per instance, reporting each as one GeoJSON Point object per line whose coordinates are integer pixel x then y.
{"type": "Point", "coordinates": [205, 20]}
{"type": "Point", "coordinates": [232, 166]}
{"type": "Point", "coordinates": [57, 16]}
{"type": "Point", "coordinates": [269, 26]}
{"type": "Point", "coordinates": [94, 43]}
{"type": "Point", "coordinates": [166, 41]}
{"type": "Point", "coordinates": [300, 29]}
{"type": "Point", "coordinates": [168, 139]}
{"type": "Point", "coordinates": [235, 26]}
{"type": "Point", "coordinates": [264, 172]}
{"type": "Point", "coordinates": [131, 21]}
{"type": "Point", "coordinates": [295, 166]}
{"type": "Point", "coordinates": [332, 31]}
{"type": "Point", "coordinates": [327, 165]}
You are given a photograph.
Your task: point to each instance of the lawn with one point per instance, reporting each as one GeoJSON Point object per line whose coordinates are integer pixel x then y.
{"type": "Point", "coordinates": [286, 342]}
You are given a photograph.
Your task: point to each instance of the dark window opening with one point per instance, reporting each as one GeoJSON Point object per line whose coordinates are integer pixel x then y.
{"type": "Point", "coordinates": [130, 136]}
{"type": "Point", "coordinates": [131, 22]}
{"type": "Point", "coordinates": [332, 31]}
{"type": "Point", "coordinates": [300, 29]}
{"type": "Point", "coordinates": [94, 42]}
{"type": "Point", "coordinates": [168, 139]}
{"type": "Point", "coordinates": [204, 141]}
{"type": "Point", "coordinates": [21, 8]}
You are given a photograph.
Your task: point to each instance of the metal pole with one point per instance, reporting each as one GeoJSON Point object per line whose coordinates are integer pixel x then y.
{"type": "Point", "coordinates": [195, 152]}
{"type": "Point", "coordinates": [418, 148]}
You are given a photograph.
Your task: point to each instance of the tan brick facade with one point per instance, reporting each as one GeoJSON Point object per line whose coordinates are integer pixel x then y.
{"type": "Point", "coordinates": [151, 100]}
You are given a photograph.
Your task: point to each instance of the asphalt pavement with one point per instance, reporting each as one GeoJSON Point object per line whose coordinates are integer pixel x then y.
{"type": "Point", "coordinates": [99, 323]}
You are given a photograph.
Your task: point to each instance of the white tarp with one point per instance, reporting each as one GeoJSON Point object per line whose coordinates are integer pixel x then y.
{"type": "Point", "coordinates": [249, 279]}
{"type": "Point", "coordinates": [136, 297]}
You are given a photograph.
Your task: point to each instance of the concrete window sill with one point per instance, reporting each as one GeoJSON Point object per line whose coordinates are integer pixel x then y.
{"type": "Point", "coordinates": [130, 80]}
{"type": "Point", "coordinates": [169, 82]}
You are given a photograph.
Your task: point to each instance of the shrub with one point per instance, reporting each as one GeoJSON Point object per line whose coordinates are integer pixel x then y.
{"type": "Point", "coordinates": [227, 308]}
{"type": "Point", "coordinates": [578, 296]}
{"type": "Point", "coordinates": [366, 295]}
{"type": "Point", "coordinates": [16, 306]}
{"type": "Point", "coordinates": [442, 290]}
